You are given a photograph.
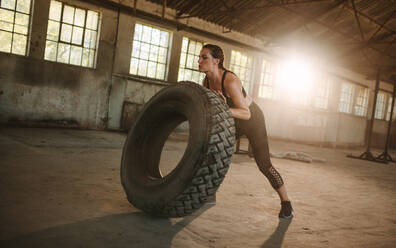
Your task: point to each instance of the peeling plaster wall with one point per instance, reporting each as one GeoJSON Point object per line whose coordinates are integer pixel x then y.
{"type": "Point", "coordinates": [312, 126]}
{"type": "Point", "coordinates": [36, 91]}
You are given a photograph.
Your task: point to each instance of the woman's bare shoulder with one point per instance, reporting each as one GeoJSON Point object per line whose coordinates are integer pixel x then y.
{"type": "Point", "coordinates": [231, 79]}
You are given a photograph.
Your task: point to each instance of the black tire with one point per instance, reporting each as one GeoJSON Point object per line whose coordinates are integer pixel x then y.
{"type": "Point", "coordinates": [204, 164]}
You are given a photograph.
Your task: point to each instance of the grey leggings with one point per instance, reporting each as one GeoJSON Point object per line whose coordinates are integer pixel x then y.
{"type": "Point", "coordinates": [255, 130]}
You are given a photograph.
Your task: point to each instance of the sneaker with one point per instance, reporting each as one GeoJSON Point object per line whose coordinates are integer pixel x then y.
{"type": "Point", "coordinates": [286, 211]}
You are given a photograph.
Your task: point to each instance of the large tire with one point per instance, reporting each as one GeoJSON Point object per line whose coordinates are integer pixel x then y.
{"type": "Point", "coordinates": [204, 164]}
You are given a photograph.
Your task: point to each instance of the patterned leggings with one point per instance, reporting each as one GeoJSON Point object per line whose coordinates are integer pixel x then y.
{"type": "Point", "coordinates": [255, 130]}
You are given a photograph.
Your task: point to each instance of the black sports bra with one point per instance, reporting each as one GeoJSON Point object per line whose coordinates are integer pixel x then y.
{"type": "Point", "coordinates": [229, 101]}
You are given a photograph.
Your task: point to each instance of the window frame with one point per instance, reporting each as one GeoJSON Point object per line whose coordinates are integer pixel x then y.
{"type": "Point", "coordinates": [167, 57]}
{"type": "Point", "coordinates": [28, 31]}
{"type": "Point", "coordinates": [323, 93]}
{"type": "Point", "coordinates": [248, 70]}
{"type": "Point", "coordinates": [266, 73]}
{"type": "Point", "coordinates": [349, 103]}
{"type": "Point", "coordinates": [365, 101]}
{"type": "Point", "coordinates": [380, 114]}
{"type": "Point", "coordinates": [71, 44]}
{"type": "Point", "coordinates": [389, 108]}
{"type": "Point", "coordinates": [195, 60]}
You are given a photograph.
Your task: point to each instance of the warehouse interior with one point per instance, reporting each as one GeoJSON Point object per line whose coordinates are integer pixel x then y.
{"type": "Point", "coordinates": [76, 74]}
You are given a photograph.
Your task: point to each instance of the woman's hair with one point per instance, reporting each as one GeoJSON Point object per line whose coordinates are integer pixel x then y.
{"type": "Point", "coordinates": [217, 53]}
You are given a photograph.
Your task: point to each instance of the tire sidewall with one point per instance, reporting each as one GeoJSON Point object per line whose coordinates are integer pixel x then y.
{"type": "Point", "coordinates": [187, 100]}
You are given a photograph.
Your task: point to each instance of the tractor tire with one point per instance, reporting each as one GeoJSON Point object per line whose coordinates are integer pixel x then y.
{"type": "Point", "coordinates": [204, 164]}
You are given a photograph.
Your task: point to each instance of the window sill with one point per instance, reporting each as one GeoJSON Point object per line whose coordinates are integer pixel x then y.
{"type": "Point", "coordinates": [143, 79]}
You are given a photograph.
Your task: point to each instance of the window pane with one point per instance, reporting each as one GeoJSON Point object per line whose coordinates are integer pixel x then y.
{"type": "Point", "coordinates": [23, 6]}
{"type": "Point", "coordinates": [182, 60]}
{"type": "Point", "coordinates": [79, 17]}
{"type": "Point", "coordinates": [188, 74]}
{"type": "Point", "coordinates": [180, 76]}
{"type": "Point", "coordinates": [77, 35]}
{"type": "Point", "coordinates": [6, 20]}
{"type": "Point", "coordinates": [151, 69]}
{"type": "Point", "coordinates": [78, 43]}
{"type": "Point", "coordinates": [144, 52]}
{"type": "Point", "coordinates": [146, 37]}
{"type": "Point", "coordinates": [147, 54]}
{"type": "Point", "coordinates": [68, 14]}
{"type": "Point", "coordinates": [63, 53]}
{"type": "Point", "coordinates": [136, 49]}
{"type": "Point", "coordinates": [85, 59]}
{"type": "Point", "coordinates": [195, 63]}
{"type": "Point", "coordinates": [76, 55]}
{"type": "Point", "coordinates": [191, 47]}
{"type": "Point", "coordinates": [50, 50]}
{"type": "Point", "coordinates": [92, 57]}
{"type": "Point", "coordinates": [195, 76]}
{"type": "Point", "coordinates": [164, 39]}
{"type": "Point", "coordinates": [184, 45]}
{"type": "Point", "coordinates": [241, 66]}
{"type": "Point", "coordinates": [5, 44]}
{"type": "Point", "coordinates": [21, 23]}
{"type": "Point", "coordinates": [155, 37]}
{"type": "Point", "coordinates": [90, 39]}
{"type": "Point", "coordinates": [8, 4]}
{"type": "Point", "coordinates": [190, 60]}
{"type": "Point", "coordinates": [162, 55]}
{"type": "Point", "coordinates": [154, 53]}
{"type": "Point", "coordinates": [138, 32]}
{"type": "Point", "coordinates": [53, 30]}
{"type": "Point", "coordinates": [92, 20]}
{"type": "Point", "coordinates": [66, 33]}
{"type": "Point", "coordinates": [55, 11]}
{"type": "Point", "coordinates": [198, 48]}
{"type": "Point", "coordinates": [142, 68]}
{"type": "Point", "coordinates": [134, 66]}
{"type": "Point", "coordinates": [19, 44]}
{"type": "Point", "coordinates": [160, 72]}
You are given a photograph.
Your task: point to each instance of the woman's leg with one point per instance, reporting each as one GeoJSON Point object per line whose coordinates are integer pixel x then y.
{"type": "Point", "coordinates": [257, 135]}
{"type": "Point", "coordinates": [264, 163]}
{"type": "Point", "coordinates": [283, 193]}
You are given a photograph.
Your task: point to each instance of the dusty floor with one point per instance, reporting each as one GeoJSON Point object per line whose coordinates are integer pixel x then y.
{"type": "Point", "coordinates": [61, 188]}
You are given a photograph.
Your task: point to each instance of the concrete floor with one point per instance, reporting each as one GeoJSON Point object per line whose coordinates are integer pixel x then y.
{"type": "Point", "coordinates": [61, 188]}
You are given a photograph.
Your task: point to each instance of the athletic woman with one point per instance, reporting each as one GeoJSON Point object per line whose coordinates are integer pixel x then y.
{"type": "Point", "coordinates": [249, 118]}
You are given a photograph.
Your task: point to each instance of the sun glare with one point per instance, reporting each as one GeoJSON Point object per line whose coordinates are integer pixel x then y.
{"type": "Point", "coordinates": [296, 77]}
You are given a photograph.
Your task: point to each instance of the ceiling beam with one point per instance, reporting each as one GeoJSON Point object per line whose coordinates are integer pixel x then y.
{"type": "Point", "coordinates": [374, 39]}
{"type": "Point", "coordinates": [334, 30]}
{"type": "Point", "coordinates": [306, 20]}
{"type": "Point", "coordinates": [262, 6]}
{"type": "Point", "coordinates": [371, 19]}
{"type": "Point", "coordinates": [188, 7]}
{"type": "Point", "coordinates": [357, 19]}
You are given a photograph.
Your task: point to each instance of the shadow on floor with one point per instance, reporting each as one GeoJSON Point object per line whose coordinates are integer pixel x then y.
{"type": "Point", "coordinates": [121, 230]}
{"type": "Point", "coordinates": [276, 238]}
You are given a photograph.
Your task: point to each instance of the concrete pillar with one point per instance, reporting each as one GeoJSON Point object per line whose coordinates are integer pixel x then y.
{"type": "Point", "coordinates": [174, 61]}
{"type": "Point", "coordinates": [126, 28]}
{"type": "Point", "coordinates": [39, 29]}
{"type": "Point", "coordinates": [333, 125]}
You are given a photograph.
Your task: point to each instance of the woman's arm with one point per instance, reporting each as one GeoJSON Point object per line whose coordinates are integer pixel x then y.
{"type": "Point", "coordinates": [233, 88]}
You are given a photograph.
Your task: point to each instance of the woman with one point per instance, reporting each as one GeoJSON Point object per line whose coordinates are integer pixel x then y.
{"type": "Point", "coordinates": [249, 119]}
